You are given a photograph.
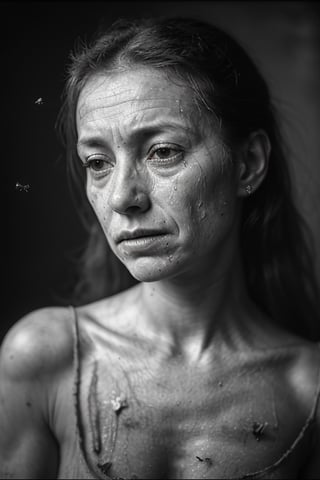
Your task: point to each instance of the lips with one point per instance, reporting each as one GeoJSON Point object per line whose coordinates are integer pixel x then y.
{"type": "Point", "coordinates": [138, 233]}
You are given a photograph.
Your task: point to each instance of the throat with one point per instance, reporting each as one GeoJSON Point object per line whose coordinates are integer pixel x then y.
{"type": "Point", "coordinates": [185, 322]}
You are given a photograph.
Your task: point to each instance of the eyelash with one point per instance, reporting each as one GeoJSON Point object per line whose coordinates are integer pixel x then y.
{"type": "Point", "coordinates": [88, 163]}
{"type": "Point", "coordinates": [97, 173]}
{"type": "Point", "coordinates": [166, 146]}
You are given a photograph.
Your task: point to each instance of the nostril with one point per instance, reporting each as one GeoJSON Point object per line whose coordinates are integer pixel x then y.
{"type": "Point", "coordinates": [128, 202]}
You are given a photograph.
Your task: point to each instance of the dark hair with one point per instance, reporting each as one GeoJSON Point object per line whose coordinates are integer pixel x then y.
{"type": "Point", "coordinates": [226, 82]}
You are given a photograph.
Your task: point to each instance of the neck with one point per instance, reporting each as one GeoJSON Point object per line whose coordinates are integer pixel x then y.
{"type": "Point", "coordinates": [186, 315]}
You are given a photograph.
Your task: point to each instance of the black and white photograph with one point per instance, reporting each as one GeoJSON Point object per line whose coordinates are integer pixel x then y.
{"type": "Point", "coordinates": [161, 240]}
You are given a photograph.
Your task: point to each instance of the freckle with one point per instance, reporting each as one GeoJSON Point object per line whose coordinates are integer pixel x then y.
{"type": "Point", "coordinates": [221, 214]}
{"type": "Point", "coordinates": [220, 384]}
{"type": "Point", "coordinates": [28, 404]}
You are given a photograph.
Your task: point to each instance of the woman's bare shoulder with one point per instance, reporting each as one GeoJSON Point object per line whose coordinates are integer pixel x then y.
{"type": "Point", "coordinates": [38, 344]}
{"type": "Point", "coordinates": [299, 360]}
{"type": "Point", "coordinates": [305, 371]}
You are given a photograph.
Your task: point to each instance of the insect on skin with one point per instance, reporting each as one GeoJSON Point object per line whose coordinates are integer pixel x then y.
{"type": "Point", "coordinates": [22, 188]}
{"type": "Point", "coordinates": [258, 430]}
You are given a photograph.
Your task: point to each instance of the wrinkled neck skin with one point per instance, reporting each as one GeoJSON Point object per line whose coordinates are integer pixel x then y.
{"type": "Point", "coordinates": [190, 315]}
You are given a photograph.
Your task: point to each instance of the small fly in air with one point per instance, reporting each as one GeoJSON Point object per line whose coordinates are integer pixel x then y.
{"type": "Point", "coordinates": [39, 101]}
{"type": "Point", "coordinates": [22, 188]}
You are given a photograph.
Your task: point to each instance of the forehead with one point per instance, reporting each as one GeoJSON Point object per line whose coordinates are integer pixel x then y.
{"type": "Point", "coordinates": [133, 92]}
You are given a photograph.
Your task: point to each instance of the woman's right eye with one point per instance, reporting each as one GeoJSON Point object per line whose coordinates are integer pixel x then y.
{"type": "Point", "coordinates": [98, 166]}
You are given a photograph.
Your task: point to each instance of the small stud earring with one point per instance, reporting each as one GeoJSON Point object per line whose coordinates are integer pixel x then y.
{"type": "Point", "coordinates": [249, 189]}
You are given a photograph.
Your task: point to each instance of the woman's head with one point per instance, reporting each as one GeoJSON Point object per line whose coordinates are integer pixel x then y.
{"type": "Point", "coordinates": [228, 89]}
{"type": "Point", "coordinates": [157, 168]}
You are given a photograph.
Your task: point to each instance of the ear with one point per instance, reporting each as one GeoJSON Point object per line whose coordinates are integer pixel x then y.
{"type": "Point", "coordinates": [253, 162]}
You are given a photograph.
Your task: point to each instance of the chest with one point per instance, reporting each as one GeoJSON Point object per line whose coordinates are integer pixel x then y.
{"type": "Point", "coordinates": [174, 425]}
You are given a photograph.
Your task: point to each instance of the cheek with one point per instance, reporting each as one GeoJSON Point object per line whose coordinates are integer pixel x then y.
{"type": "Point", "coordinates": [201, 205]}
{"type": "Point", "coordinates": [98, 203]}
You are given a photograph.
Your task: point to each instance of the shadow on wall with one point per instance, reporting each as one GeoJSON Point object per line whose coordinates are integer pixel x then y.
{"type": "Point", "coordinates": [41, 229]}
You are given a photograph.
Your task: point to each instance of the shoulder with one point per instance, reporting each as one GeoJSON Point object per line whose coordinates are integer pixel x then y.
{"type": "Point", "coordinates": [308, 378]}
{"type": "Point", "coordinates": [300, 359]}
{"type": "Point", "coordinates": [38, 343]}
{"type": "Point", "coordinates": [295, 362]}
{"type": "Point", "coordinates": [304, 373]}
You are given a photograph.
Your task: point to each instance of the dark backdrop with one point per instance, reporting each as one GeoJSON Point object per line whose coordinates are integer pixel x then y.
{"type": "Point", "coordinates": [40, 228]}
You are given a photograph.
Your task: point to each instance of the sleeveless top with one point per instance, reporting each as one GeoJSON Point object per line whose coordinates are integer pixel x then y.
{"type": "Point", "coordinates": [82, 468]}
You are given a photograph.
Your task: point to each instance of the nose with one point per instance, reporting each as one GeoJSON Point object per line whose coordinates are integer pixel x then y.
{"type": "Point", "coordinates": [129, 194]}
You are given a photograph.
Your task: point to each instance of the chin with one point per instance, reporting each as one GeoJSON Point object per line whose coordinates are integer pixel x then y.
{"type": "Point", "coordinates": [151, 270]}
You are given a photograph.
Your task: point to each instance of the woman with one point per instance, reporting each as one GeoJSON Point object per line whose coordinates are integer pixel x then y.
{"type": "Point", "coordinates": [193, 363]}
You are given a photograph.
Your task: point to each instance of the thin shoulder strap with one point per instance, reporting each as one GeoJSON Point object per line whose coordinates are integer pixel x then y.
{"type": "Point", "coordinates": [77, 396]}
{"type": "Point", "coordinates": [77, 378]}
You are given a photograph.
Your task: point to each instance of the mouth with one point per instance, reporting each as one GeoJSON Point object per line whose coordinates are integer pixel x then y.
{"type": "Point", "coordinates": [135, 235]}
{"type": "Point", "coordinates": [141, 242]}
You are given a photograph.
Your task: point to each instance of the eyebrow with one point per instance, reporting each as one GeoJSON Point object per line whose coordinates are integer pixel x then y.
{"type": "Point", "coordinates": [91, 142]}
{"type": "Point", "coordinates": [95, 141]}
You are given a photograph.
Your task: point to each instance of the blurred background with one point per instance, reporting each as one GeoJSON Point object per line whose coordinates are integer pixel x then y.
{"type": "Point", "coordinates": [40, 228]}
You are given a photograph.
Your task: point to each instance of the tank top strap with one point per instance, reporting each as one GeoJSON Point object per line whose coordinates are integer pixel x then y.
{"type": "Point", "coordinates": [77, 379]}
{"type": "Point", "coordinates": [87, 471]}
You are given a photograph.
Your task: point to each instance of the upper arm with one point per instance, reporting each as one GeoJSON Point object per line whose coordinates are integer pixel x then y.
{"type": "Point", "coordinates": [28, 448]}
{"type": "Point", "coordinates": [311, 468]}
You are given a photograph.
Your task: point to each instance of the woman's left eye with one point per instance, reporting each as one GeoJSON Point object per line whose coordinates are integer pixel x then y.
{"type": "Point", "coordinates": [165, 154]}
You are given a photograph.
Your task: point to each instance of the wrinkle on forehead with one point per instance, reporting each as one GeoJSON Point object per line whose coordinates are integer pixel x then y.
{"type": "Point", "coordinates": [106, 93]}
{"type": "Point", "coordinates": [112, 112]}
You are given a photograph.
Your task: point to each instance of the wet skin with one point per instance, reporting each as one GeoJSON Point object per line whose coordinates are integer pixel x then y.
{"type": "Point", "coordinates": [178, 411]}
{"type": "Point", "coordinates": [209, 384]}
{"type": "Point", "coordinates": [155, 163]}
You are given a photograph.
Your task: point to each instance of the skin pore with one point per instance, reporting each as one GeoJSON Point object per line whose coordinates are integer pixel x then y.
{"type": "Point", "coordinates": [154, 163]}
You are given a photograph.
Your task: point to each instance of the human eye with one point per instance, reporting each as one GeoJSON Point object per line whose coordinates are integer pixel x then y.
{"type": "Point", "coordinates": [98, 165]}
{"type": "Point", "coordinates": [165, 154]}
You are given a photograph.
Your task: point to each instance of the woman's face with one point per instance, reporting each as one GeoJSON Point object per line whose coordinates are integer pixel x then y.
{"type": "Point", "coordinates": [158, 178]}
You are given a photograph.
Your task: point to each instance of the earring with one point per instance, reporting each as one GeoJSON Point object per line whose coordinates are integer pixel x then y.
{"type": "Point", "coordinates": [249, 189]}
